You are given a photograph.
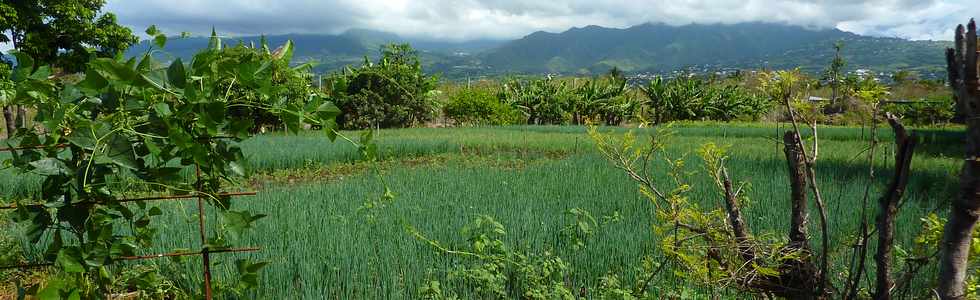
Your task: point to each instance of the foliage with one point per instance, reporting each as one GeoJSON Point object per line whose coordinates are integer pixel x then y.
{"type": "Point", "coordinates": [434, 168]}
{"type": "Point", "coordinates": [694, 98]}
{"type": "Point", "coordinates": [294, 82]}
{"type": "Point", "coordinates": [698, 239]}
{"type": "Point", "coordinates": [394, 92]}
{"type": "Point", "coordinates": [480, 106]}
{"type": "Point", "coordinates": [607, 99]}
{"type": "Point", "coordinates": [792, 88]}
{"type": "Point", "coordinates": [936, 110]}
{"type": "Point", "coordinates": [495, 271]}
{"type": "Point", "coordinates": [135, 119]}
{"type": "Point", "coordinates": [60, 33]}
{"type": "Point", "coordinates": [655, 48]}
{"type": "Point", "coordinates": [7, 88]}
{"type": "Point", "coordinates": [543, 101]}
{"type": "Point", "coordinates": [578, 232]}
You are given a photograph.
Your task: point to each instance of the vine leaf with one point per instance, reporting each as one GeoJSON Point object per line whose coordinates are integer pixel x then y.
{"type": "Point", "coordinates": [162, 109]}
{"type": "Point", "coordinates": [239, 221]}
{"type": "Point", "coordinates": [49, 167]}
{"type": "Point", "coordinates": [176, 74]}
{"type": "Point", "coordinates": [68, 260]}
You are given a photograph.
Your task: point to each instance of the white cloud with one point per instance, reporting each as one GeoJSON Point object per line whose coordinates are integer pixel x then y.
{"type": "Point", "coordinates": [506, 19]}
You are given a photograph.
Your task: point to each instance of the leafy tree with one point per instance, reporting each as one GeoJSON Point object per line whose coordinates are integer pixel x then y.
{"type": "Point", "coordinates": [7, 92]}
{"type": "Point", "coordinates": [904, 76]}
{"type": "Point", "coordinates": [61, 33]}
{"type": "Point", "coordinates": [480, 106]}
{"type": "Point", "coordinates": [616, 74]}
{"type": "Point", "coordinates": [833, 73]}
{"type": "Point", "coordinates": [394, 92]}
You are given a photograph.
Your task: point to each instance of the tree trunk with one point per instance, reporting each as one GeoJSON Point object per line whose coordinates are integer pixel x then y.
{"type": "Point", "coordinates": [888, 209]}
{"type": "Point", "coordinates": [962, 68]}
{"type": "Point", "coordinates": [21, 119]}
{"type": "Point", "coordinates": [799, 277]}
{"type": "Point", "coordinates": [8, 118]}
{"type": "Point", "coordinates": [798, 238]}
{"type": "Point", "coordinates": [739, 229]}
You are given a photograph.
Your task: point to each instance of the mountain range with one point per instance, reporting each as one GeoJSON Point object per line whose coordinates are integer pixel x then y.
{"type": "Point", "coordinates": [645, 48]}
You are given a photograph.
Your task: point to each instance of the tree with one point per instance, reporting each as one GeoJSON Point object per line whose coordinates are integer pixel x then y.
{"type": "Point", "coordinates": [904, 76]}
{"type": "Point", "coordinates": [6, 95]}
{"type": "Point", "coordinates": [958, 233]}
{"type": "Point", "coordinates": [394, 92]}
{"type": "Point", "coordinates": [63, 33]}
{"type": "Point", "coordinates": [616, 74]}
{"type": "Point", "coordinates": [833, 73]}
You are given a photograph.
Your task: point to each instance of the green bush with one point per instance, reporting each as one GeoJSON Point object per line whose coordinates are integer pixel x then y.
{"type": "Point", "coordinates": [480, 106]}
{"type": "Point", "coordinates": [543, 101]}
{"type": "Point", "coordinates": [293, 82]}
{"type": "Point", "coordinates": [935, 110]}
{"type": "Point", "coordinates": [391, 93]}
{"type": "Point", "coordinates": [605, 99]}
{"type": "Point", "coordinates": [698, 99]}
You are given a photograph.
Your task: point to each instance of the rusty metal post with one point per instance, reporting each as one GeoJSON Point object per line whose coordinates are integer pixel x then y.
{"type": "Point", "coordinates": [206, 257]}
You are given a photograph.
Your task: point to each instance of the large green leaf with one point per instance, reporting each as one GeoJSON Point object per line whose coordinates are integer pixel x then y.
{"type": "Point", "coordinates": [51, 290]}
{"type": "Point", "coordinates": [50, 167]}
{"type": "Point", "coordinates": [177, 74]}
{"type": "Point", "coordinates": [93, 80]}
{"type": "Point", "coordinates": [286, 52]}
{"type": "Point", "coordinates": [69, 260]}
{"type": "Point", "coordinates": [121, 152]}
{"type": "Point", "coordinates": [238, 221]}
{"type": "Point", "coordinates": [162, 109]}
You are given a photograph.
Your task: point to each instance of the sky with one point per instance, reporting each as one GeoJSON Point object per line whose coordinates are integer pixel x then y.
{"type": "Point", "coordinates": [459, 20]}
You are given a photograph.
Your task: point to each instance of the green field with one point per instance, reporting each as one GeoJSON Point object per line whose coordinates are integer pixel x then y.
{"type": "Point", "coordinates": [321, 246]}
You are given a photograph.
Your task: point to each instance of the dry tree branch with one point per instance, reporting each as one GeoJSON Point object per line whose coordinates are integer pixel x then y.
{"type": "Point", "coordinates": [958, 233]}
{"type": "Point", "coordinates": [888, 207]}
{"type": "Point", "coordinates": [811, 177]}
{"type": "Point", "coordinates": [861, 249]}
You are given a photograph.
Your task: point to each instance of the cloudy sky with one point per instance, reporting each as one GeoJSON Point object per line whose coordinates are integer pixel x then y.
{"type": "Point", "coordinates": [506, 19]}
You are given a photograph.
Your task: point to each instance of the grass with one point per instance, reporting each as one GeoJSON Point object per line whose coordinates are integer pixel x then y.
{"type": "Point", "coordinates": [321, 245]}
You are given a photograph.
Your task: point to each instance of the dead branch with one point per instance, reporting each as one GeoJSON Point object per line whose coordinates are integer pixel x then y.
{"type": "Point", "coordinates": [888, 207]}
{"type": "Point", "coordinates": [962, 68]}
{"type": "Point", "coordinates": [735, 217]}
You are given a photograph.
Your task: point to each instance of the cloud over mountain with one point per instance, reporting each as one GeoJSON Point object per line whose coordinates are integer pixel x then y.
{"type": "Point", "coordinates": [506, 19]}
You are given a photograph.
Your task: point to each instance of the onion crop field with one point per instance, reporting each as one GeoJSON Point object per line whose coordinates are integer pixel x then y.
{"type": "Point", "coordinates": [327, 237]}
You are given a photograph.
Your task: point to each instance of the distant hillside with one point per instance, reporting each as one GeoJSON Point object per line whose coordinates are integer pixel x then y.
{"type": "Point", "coordinates": [334, 51]}
{"type": "Point", "coordinates": [659, 47]}
{"type": "Point", "coordinates": [595, 49]}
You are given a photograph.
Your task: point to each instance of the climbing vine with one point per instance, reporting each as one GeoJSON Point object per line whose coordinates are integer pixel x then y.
{"type": "Point", "coordinates": [141, 126]}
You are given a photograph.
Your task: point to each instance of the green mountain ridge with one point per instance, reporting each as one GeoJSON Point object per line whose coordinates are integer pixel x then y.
{"type": "Point", "coordinates": [658, 48]}
{"type": "Point", "coordinates": [645, 48]}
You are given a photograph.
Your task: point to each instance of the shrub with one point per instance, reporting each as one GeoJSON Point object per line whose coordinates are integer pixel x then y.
{"type": "Point", "coordinates": [935, 110]}
{"type": "Point", "coordinates": [293, 83]}
{"type": "Point", "coordinates": [543, 101]}
{"type": "Point", "coordinates": [698, 99]}
{"type": "Point", "coordinates": [480, 106]}
{"type": "Point", "coordinates": [607, 99]}
{"type": "Point", "coordinates": [392, 93]}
